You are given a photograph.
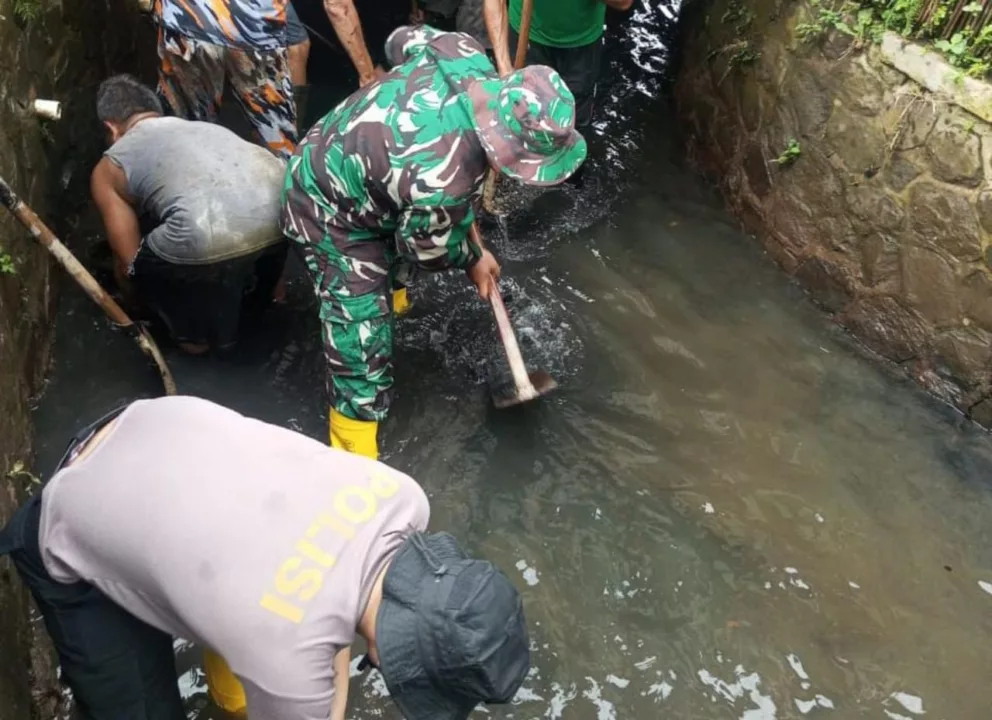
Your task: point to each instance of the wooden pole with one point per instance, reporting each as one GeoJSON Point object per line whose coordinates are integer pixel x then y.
{"type": "Point", "coordinates": [45, 237]}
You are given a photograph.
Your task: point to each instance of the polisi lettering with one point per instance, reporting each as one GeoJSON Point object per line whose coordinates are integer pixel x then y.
{"type": "Point", "coordinates": [300, 577]}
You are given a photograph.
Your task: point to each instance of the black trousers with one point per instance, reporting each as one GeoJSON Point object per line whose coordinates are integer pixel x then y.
{"type": "Point", "coordinates": [579, 67]}
{"type": "Point", "coordinates": [204, 303]}
{"type": "Point", "coordinates": [118, 667]}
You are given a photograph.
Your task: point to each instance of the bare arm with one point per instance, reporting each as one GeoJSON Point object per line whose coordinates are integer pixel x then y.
{"type": "Point", "coordinates": [342, 670]}
{"type": "Point", "coordinates": [348, 28]}
{"type": "Point", "coordinates": [498, 27]}
{"type": "Point", "coordinates": [121, 222]}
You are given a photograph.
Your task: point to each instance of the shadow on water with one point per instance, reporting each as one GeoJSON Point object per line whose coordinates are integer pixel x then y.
{"type": "Point", "coordinates": [726, 511]}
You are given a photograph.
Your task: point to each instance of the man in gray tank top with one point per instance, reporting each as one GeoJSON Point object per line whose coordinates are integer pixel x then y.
{"type": "Point", "coordinates": [191, 213]}
{"type": "Point", "coordinates": [178, 517]}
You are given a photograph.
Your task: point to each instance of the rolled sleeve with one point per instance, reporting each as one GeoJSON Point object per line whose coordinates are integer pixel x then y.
{"type": "Point", "coordinates": [436, 238]}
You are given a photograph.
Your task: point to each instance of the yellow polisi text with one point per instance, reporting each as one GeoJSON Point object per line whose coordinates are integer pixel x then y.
{"type": "Point", "coordinates": [300, 577]}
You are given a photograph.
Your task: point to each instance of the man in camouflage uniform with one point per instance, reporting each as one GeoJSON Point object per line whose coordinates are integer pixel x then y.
{"type": "Point", "coordinates": [391, 179]}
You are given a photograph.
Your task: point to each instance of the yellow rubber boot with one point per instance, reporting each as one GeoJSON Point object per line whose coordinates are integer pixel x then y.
{"type": "Point", "coordinates": [401, 303]}
{"type": "Point", "coordinates": [224, 687]}
{"type": "Point", "coordinates": [355, 436]}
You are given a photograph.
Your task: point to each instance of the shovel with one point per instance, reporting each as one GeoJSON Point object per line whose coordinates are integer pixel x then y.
{"type": "Point", "coordinates": [40, 232]}
{"type": "Point", "coordinates": [523, 39]}
{"type": "Point", "coordinates": [527, 386]}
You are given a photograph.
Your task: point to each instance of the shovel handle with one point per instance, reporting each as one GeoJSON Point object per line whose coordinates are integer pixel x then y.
{"type": "Point", "coordinates": [523, 37]}
{"type": "Point", "coordinates": [40, 232]}
{"type": "Point", "coordinates": [525, 389]}
{"type": "Point", "coordinates": [44, 236]}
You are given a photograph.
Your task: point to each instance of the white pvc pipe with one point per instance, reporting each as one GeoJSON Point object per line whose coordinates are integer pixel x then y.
{"type": "Point", "coordinates": [49, 109]}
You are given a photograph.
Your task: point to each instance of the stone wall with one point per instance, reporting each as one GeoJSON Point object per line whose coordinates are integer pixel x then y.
{"type": "Point", "coordinates": [62, 55]}
{"type": "Point", "coordinates": [883, 208]}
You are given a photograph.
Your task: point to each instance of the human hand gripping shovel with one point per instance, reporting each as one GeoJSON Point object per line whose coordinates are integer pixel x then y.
{"type": "Point", "coordinates": [526, 386]}
{"type": "Point", "coordinates": [40, 232]}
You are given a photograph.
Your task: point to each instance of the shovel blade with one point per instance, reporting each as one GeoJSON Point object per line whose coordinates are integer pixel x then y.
{"type": "Point", "coordinates": [510, 396]}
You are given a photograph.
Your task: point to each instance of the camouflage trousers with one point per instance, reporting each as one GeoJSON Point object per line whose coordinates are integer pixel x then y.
{"type": "Point", "coordinates": [191, 80]}
{"type": "Point", "coordinates": [354, 274]}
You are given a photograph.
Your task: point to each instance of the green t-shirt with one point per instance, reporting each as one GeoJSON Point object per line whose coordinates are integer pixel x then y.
{"type": "Point", "coordinates": [562, 23]}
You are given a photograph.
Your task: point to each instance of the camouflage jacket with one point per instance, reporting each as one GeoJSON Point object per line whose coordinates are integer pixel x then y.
{"type": "Point", "coordinates": [258, 24]}
{"type": "Point", "coordinates": [400, 157]}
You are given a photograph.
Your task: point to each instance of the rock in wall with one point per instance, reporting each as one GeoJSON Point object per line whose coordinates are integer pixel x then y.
{"type": "Point", "coordinates": [61, 54]}
{"type": "Point", "coordinates": [882, 208]}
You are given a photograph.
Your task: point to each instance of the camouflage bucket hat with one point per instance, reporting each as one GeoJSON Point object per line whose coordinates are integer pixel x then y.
{"type": "Point", "coordinates": [527, 125]}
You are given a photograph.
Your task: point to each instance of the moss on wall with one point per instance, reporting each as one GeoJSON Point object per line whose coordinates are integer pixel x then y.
{"type": "Point", "coordinates": [61, 53]}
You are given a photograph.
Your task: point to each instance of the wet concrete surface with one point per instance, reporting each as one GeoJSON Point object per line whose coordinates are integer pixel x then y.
{"type": "Point", "coordinates": [727, 510]}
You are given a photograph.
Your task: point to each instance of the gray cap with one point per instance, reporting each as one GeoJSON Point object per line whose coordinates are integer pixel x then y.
{"type": "Point", "coordinates": [450, 631]}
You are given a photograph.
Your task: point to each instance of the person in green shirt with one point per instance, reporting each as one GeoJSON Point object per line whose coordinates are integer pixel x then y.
{"type": "Point", "coordinates": [564, 34]}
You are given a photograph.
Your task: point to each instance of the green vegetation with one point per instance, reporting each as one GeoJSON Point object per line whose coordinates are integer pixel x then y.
{"type": "Point", "coordinates": [960, 29]}
{"type": "Point", "coordinates": [28, 10]}
{"type": "Point", "coordinates": [739, 53]}
{"type": "Point", "coordinates": [7, 266]}
{"type": "Point", "coordinates": [789, 155]}
{"type": "Point", "coordinates": [740, 16]}
{"type": "Point", "coordinates": [19, 472]}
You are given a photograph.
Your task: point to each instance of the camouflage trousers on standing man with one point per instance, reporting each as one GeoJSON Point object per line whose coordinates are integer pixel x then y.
{"type": "Point", "coordinates": [193, 73]}
{"type": "Point", "coordinates": [354, 273]}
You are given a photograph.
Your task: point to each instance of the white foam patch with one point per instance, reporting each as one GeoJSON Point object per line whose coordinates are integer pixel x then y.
{"type": "Point", "coordinates": [660, 691]}
{"type": "Point", "coordinates": [646, 663]}
{"type": "Point", "coordinates": [526, 695]}
{"type": "Point", "coordinates": [605, 710]}
{"type": "Point", "coordinates": [910, 703]}
{"type": "Point", "coordinates": [797, 666]}
{"type": "Point", "coordinates": [530, 574]}
{"type": "Point", "coordinates": [560, 698]}
{"type": "Point", "coordinates": [745, 684]}
{"type": "Point", "coordinates": [986, 586]}
{"type": "Point", "coordinates": [807, 706]}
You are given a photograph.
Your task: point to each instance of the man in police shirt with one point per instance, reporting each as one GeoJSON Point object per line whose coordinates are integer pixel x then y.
{"type": "Point", "coordinates": [178, 517]}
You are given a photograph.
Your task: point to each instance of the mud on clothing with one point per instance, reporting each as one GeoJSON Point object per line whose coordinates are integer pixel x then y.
{"type": "Point", "coordinates": [387, 181]}
{"type": "Point", "coordinates": [568, 36]}
{"type": "Point", "coordinates": [253, 540]}
{"type": "Point", "coordinates": [208, 203]}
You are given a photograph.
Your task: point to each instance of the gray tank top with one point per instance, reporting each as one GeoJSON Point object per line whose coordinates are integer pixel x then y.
{"type": "Point", "coordinates": [207, 194]}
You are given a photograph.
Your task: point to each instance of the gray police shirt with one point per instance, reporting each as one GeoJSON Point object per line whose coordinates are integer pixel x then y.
{"type": "Point", "coordinates": [253, 540]}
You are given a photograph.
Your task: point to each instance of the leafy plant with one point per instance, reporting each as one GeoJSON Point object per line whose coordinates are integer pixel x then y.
{"type": "Point", "coordinates": [27, 10]}
{"type": "Point", "coordinates": [956, 48]}
{"type": "Point", "coordinates": [790, 154]}
{"type": "Point", "coordinates": [959, 29]}
{"type": "Point", "coordinates": [18, 471]}
{"type": "Point", "coordinates": [7, 266]}
{"type": "Point", "coordinates": [741, 16]}
{"type": "Point", "coordinates": [860, 24]}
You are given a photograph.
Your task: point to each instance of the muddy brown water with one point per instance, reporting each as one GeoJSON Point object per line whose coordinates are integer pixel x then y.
{"type": "Point", "coordinates": [726, 511]}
